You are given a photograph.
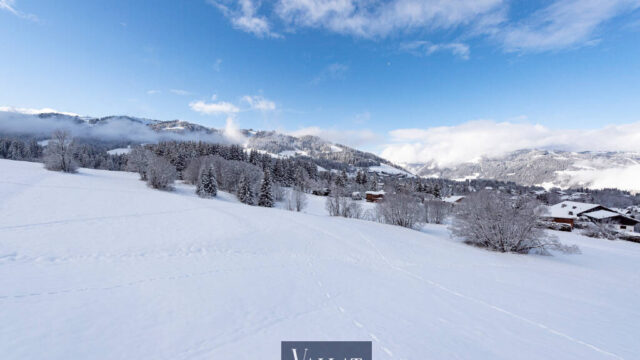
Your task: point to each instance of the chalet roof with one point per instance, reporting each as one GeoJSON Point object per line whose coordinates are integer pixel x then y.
{"type": "Point", "coordinates": [570, 209]}
{"type": "Point", "coordinates": [453, 199]}
{"type": "Point", "coordinates": [602, 214]}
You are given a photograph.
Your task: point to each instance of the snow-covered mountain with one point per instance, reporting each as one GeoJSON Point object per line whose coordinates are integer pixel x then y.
{"type": "Point", "coordinates": [140, 130]}
{"type": "Point", "coordinates": [547, 168]}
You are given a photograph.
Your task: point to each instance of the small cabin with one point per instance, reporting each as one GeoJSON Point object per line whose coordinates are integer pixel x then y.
{"type": "Point", "coordinates": [356, 195]}
{"type": "Point", "coordinates": [321, 192]}
{"type": "Point", "coordinates": [374, 196]}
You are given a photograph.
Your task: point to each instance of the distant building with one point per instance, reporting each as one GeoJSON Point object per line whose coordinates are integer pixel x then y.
{"type": "Point", "coordinates": [356, 195]}
{"type": "Point", "coordinates": [374, 196]}
{"type": "Point", "coordinates": [454, 199]}
{"type": "Point", "coordinates": [567, 212]}
{"type": "Point", "coordinates": [321, 192]}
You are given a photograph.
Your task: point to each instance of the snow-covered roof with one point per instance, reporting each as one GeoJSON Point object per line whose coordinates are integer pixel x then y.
{"type": "Point", "coordinates": [453, 199]}
{"type": "Point", "coordinates": [381, 192]}
{"type": "Point", "coordinates": [602, 214]}
{"type": "Point", "coordinates": [569, 209]}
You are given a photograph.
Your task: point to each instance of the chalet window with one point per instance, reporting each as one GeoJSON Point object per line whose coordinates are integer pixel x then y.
{"type": "Point", "coordinates": [623, 227]}
{"type": "Point", "coordinates": [570, 212]}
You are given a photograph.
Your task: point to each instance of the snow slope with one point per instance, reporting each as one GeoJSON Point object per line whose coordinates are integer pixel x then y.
{"type": "Point", "coordinates": [96, 265]}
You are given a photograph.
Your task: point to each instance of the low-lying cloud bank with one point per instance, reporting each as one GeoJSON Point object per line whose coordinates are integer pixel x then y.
{"type": "Point", "coordinates": [451, 145]}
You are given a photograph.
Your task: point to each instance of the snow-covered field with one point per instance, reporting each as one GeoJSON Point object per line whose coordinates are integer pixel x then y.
{"type": "Point", "coordinates": [97, 266]}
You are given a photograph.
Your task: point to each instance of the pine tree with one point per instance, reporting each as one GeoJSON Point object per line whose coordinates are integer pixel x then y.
{"type": "Point", "coordinates": [436, 191]}
{"type": "Point", "coordinates": [245, 193]}
{"type": "Point", "coordinates": [266, 194]}
{"type": "Point", "coordinates": [207, 185]}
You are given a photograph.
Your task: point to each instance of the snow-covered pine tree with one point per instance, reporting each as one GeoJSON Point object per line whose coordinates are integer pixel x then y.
{"type": "Point", "coordinates": [266, 194]}
{"type": "Point", "coordinates": [207, 185]}
{"type": "Point", "coordinates": [245, 193]}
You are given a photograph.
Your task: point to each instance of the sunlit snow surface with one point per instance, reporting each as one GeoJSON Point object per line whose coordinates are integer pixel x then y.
{"type": "Point", "coordinates": [95, 265]}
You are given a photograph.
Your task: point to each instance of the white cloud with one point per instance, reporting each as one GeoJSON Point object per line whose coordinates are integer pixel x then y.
{"type": "Point", "coordinates": [180, 92]}
{"type": "Point", "coordinates": [259, 103]}
{"type": "Point", "coordinates": [243, 16]}
{"type": "Point", "coordinates": [551, 25]}
{"type": "Point", "coordinates": [214, 108]}
{"type": "Point", "coordinates": [421, 47]}
{"type": "Point", "coordinates": [153, 92]}
{"type": "Point", "coordinates": [562, 24]}
{"type": "Point", "coordinates": [369, 19]}
{"type": "Point", "coordinates": [353, 138]}
{"type": "Point", "coordinates": [9, 5]}
{"type": "Point", "coordinates": [29, 111]}
{"type": "Point", "coordinates": [451, 145]}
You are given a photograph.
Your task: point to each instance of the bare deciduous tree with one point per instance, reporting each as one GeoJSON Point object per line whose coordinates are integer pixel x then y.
{"type": "Point", "coordinates": [602, 229]}
{"type": "Point", "coordinates": [436, 211]}
{"type": "Point", "coordinates": [498, 222]}
{"type": "Point", "coordinates": [296, 200]}
{"type": "Point", "coordinates": [160, 173]}
{"type": "Point", "coordinates": [339, 205]}
{"type": "Point", "coordinates": [59, 153]}
{"type": "Point", "coordinates": [400, 209]}
{"type": "Point", "coordinates": [138, 161]}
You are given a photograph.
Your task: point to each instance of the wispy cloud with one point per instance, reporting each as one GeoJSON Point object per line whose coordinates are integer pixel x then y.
{"type": "Point", "coordinates": [243, 16]}
{"type": "Point", "coordinates": [562, 24]}
{"type": "Point", "coordinates": [421, 47]}
{"type": "Point", "coordinates": [213, 108]}
{"type": "Point", "coordinates": [451, 145]}
{"type": "Point", "coordinates": [555, 24]}
{"type": "Point", "coordinates": [153, 92]}
{"type": "Point", "coordinates": [9, 5]}
{"type": "Point", "coordinates": [335, 71]}
{"type": "Point", "coordinates": [258, 102]}
{"type": "Point", "coordinates": [217, 66]}
{"type": "Point", "coordinates": [180, 92]}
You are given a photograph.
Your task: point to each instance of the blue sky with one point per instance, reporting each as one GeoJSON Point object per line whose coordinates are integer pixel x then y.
{"type": "Point", "coordinates": [355, 71]}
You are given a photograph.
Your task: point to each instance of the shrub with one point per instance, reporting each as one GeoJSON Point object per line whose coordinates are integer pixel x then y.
{"type": "Point", "coordinates": [400, 209]}
{"type": "Point", "coordinates": [497, 222]}
{"type": "Point", "coordinates": [58, 155]}
{"type": "Point", "coordinates": [160, 173]}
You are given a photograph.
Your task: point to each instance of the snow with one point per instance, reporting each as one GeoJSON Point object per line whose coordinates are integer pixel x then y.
{"type": "Point", "coordinates": [602, 214]}
{"type": "Point", "coordinates": [119, 151]}
{"type": "Point", "coordinates": [292, 153]}
{"type": "Point", "coordinates": [95, 265]}
{"type": "Point", "coordinates": [335, 148]}
{"type": "Point", "coordinates": [569, 209]}
{"type": "Point", "coordinates": [469, 177]}
{"type": "Point", "coordinates": [384, 168]}
{"type": "Point", "coordinates": [453, 199]}
{"type": "Point", "coordinates": [625, 178]}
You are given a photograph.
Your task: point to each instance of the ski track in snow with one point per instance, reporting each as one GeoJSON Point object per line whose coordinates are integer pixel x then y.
{"type": "Point", "coordinates": [486, 304]}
